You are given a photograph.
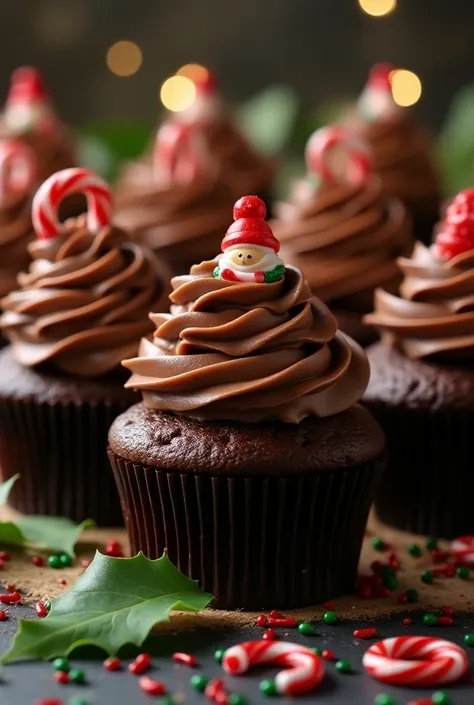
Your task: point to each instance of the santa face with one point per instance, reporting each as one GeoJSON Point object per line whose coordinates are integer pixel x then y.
{"type": "Point", "coordinates": [23, 117]}
{"type": "Point", "coordinates": [249, 258]}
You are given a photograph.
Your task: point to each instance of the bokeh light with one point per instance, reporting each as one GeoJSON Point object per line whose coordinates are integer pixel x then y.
{"type": "Point", "coordinates": [178, 93]}
{"type": "Point", "coordinates": [378, 8]}
{"type": "Point", "coordinates": [195, 72]}
{"type": "Point", "coordinates": [124, 58]}
{"type": "Point", "coordinates": [406, 87]}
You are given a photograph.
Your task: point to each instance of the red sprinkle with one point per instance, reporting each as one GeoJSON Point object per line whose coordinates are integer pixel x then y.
{"type": "Point", "coordinates": [261, 621]}
{"type": "Point", "coordinates": [215, 691]}
{"type": "Point", "coordinates": [5, 556]}
{"type": "Point", "coordinates": [40, 609]}
{"type": "Point", "coordinates": [49, 701]}
{"type": "Point", "coordinates": [186, 659]}
{"type": "Point", "coordinates": [61, 677]}
{"type": "Point", "coordinates": [444, 620]}
{"type": "Point", "coordinates": [393, 562]}
{"type": "Point", "coordinates": [328, 655]}
{"type": "Point", "coordinates": [140, 665]}
{"type": "Point", "coordinates": [112, 664]}
{"type": "Point", "coordinates": [269, 635]}
{"type": "Point", "coordinates": [283, 622]}
{"type": "Point", "coordinates": [62, 581]}
{"type": "Point", "coordinates": [383, 592]}
{"type": "Point", "coordinates": [403, 599]}
{"type": "Point", "coordinates": [422, 701]}
{"type": "Point", "coordinates": [330, 605]}
{"type": "Point", "coordinates": [447, 571]}
{"type": "Point", "coordinates": [438, 556]}
{"type": "Point", "coordinates": [10, 587]}
{"type": "Point", "coordinates": [38, 561]}
{"type": "Point", "coordinates": [3, 615]}
{"type": "Point", "coordinates": [151, 686]}
{"type": "Point", "coordinates": [407, 620]}
{"type": "Point", "coordinates": [368, 633]}
{"type": "Point", "coordinates": [447, 609]}
{"type": "Point", "coordinates": [113, 545]}
{"type": "Point", "coordinates": [275, 614]}
{"type": "Point", "coordinates": [2, 564]}
{"type": "Point", "coordinates": [10, 598]}
{"type": "Point", "coordinates": [85, 563]}
{"type": "Point", "coordinates": [364, 592]}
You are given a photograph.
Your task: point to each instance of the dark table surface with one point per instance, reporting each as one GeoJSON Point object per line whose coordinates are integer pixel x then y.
{"type": "Point", "coordinates": [27, 682]}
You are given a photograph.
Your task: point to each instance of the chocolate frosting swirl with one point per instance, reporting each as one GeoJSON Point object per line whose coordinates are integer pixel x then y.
{"type": "Point", "coordinates": [346, 237]}
{"type": "Point", "coordinates": [248, 352]}
{"type": "Point", "coordinates": [16, 232]}
{"type": "Point", "coordinates": [434, 315]}
{"type": "Point", "coordinates": [401, 152]}
{"type": "Point", "coordinates": [83, 304]}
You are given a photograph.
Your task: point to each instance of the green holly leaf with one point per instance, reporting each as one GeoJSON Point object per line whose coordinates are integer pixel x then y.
{"type": "Point", "coordinates": [455, 146]}
{"type": "Point", "coordinates": [5, 489]}
{"type": "Point", "coordinates": [10, 534]}
{"type": "Point", "coordinates": [116, 601]}
{"type": "Point", "coordinates": [56, 533]}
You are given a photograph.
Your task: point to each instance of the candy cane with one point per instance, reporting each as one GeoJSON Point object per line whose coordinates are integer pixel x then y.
{"type": "Point", "coordinates": [305, 669]}
{"type": "Point", "coordinates": [463, 549]}
{"type": "Point", "coordinates": [17, 168]}
{"type": "Point", "coordinates": [357, 165]}
{"type": "Point", "coordinates": [415, 660]}
{"type": "Point", "coordinates": [179, 150]}
{"type": "Point", "coordinates": [49, 196]}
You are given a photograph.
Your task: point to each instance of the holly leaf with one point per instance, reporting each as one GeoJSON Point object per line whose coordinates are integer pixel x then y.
{"type": "Point", "coordinates": [5, 489]}
{"type": "Point", "coordinates": [10, 534]}
{"type": "Point", "coordinates": [116, 601]}
{"type": "Point", "coordinates": [56, 533]}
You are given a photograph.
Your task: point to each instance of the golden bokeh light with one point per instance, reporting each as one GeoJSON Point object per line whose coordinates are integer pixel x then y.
{"type": "Point", "coordinates": [378, 8]}
{"type": "Point", "coordinates": [195, 72]}
{"type": "Point", "coordinates": [406, 87]}
{"type": "Point", "coordinates": [178, 93]}
{"type": "Point", "coordinates": [124, 58]}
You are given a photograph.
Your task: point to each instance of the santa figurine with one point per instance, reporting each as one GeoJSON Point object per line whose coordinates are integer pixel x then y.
{"type": "Point", "coordinates": [28, 106]}
{"type": "Point", "coordinates": [250, 249]}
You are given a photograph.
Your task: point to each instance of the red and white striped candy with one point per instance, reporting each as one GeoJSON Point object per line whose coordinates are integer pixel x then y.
{"type": "Point", "coordinates": [335, 155]}
{"type": "Point", "coordinates": [305, 670]}
{"type": "Point", "coordinates": [415, 660]}
{"type": "Point", "coordinates": [462, 550]}
{"type": "Point", "coordinates": [48, 198]}
{"type": "Point", "coordinates": [179, 153]}
{"type": "Point", "coordinates": [17, 168]}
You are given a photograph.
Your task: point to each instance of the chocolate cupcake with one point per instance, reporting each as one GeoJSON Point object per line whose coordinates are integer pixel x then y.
{"type": "Point", "coordinates": [422, 383]}
{"type": "Point", "coordinates": [249, 459]}
{"type": "Point", "coordinates": [81, 307]}
{"type": "Point", "coordinates": [402, 151]}
{"type": "Point", "coordinates": [177, 201]}
{"type": "Point", "coordinates": [342, 230]}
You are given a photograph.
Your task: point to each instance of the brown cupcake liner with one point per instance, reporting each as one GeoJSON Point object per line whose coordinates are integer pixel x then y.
{"type": "Point", "coordinates": [59, 450]}
{"type": "Point", "coordinates": [252, 542]}
{"type": "Point", "coordinates": [428, 484]}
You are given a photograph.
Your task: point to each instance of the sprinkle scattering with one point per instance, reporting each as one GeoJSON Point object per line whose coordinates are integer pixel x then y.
{"type": "Point", "coordinates": [185, 659]}
{"type": "Point", "coordinates": [112, 664]}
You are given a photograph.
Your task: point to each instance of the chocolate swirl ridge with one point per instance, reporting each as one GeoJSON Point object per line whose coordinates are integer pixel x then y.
{"type": "Point", "coordinates": [345, 237]}
{"type": "Point", "coordinates": [434, 315]}
{"type": "Point", "coordinates": [84, 301]}
{"type": "Point", "coordinates": [247, 352]}
{"type": "Point", "coordinates": [16, 232]}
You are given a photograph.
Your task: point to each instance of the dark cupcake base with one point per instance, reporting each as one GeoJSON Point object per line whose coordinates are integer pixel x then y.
{"type": "Point", "coordinates": [53, 432]}
{"type": "Point", "coordinates": [282, 534]}
{"type": "Point", "coordinates": [427, 413]}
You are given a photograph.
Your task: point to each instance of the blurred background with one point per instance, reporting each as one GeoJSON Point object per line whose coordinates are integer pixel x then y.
{"type": "Point", "coordinates": [106, 60]}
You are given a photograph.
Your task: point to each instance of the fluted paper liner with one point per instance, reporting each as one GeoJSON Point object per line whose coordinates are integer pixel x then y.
{"type": "Point", "coordinates": [252, 542]}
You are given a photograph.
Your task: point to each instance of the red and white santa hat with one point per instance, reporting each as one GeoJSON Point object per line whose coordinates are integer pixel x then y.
{"type": "Point", "coordinates": [249, 226]}
{"type": "Point", "coordinates": [27, 88]}
{"type": "Point", "coordinates": [379, 78]}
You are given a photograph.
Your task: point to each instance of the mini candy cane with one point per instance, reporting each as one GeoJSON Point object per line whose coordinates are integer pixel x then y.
{"type": "Point", "coordinates": [49, 196]}
{"type": "Point", "coordinates": [463, 550]}
{"type": "Point", "coordinates": [415, 660]}
{"type": "Point", "coordinates": [305, 669]}
{"type": "Point", "coordinates": [179, 152]}
{"type": "Point", "coordinates": [330, 142]}
{"type": "Point", "coordinates": [17, 168]}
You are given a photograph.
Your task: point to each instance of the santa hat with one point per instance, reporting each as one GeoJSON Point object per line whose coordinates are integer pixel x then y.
{"type": "Point", "coordinates": [379, 78]}
{"type": "Point", "coordinates": [205, 83]}
{"type": "Point", "coordinates": [27, 88]}
{"type": "Point", "coordinates": [249, 226]}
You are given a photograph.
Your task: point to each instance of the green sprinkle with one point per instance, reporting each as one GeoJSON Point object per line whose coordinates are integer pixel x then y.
{"type": "Point", "coordinates": [61, 664]}
{"type": "Point", "coordinates": [378, 544]}
{"type": "Point", "coordinates": [330, 617]}
{"type": "Point", "coordinates": [65, 559]}
{"type": "Point", "coordinates": [343, 666]}
{"type": "Point", "coordinates": [305, 628]}
{"type": "Point", "coordinates": [77, 701]}
{"type": "Point", "coordinates": [267, 687]}
{"type": "Point", "coordinates": [469, 639]}
{"type": "Point", "coordinates": [236, 699]}
{"type": "Point", "coordinates": [441, 698]}
{"type": "Point", "coordinates": [431, 545]}
{"type": "Point", "coordinates": [54, 562]}
{"type": "Point", "coordinates": [383, 699]}
{"type": "Point", "coordinates": [167, 700]}
{"type": "Point", "coordinates": [47, 604]}
{"type": "Point", "coordinates": [427, 576]}
{"type": "Point", "coordinates": [412, 595]}
{"type": "Point", "coordinates": [429, 619]}
{"type": "Point", "coordinates": [463, 572]}
{"type": "Point", "coordinates": [415, 550]}
{"type": "Point", "coordinates": [77, 675]}
{"type": "Point", "coordinates": [390, 581]}
{"type": "Point", "coordinates": [199, 682]}
{"type": "Point", "coordinates": [318, 651]}
{"type": "Point", "coordinates": [218, 654]}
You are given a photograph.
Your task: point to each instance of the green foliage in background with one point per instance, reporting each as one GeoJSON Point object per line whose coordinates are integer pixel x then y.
{"type": "Point", "coordinates": [456, 143]}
